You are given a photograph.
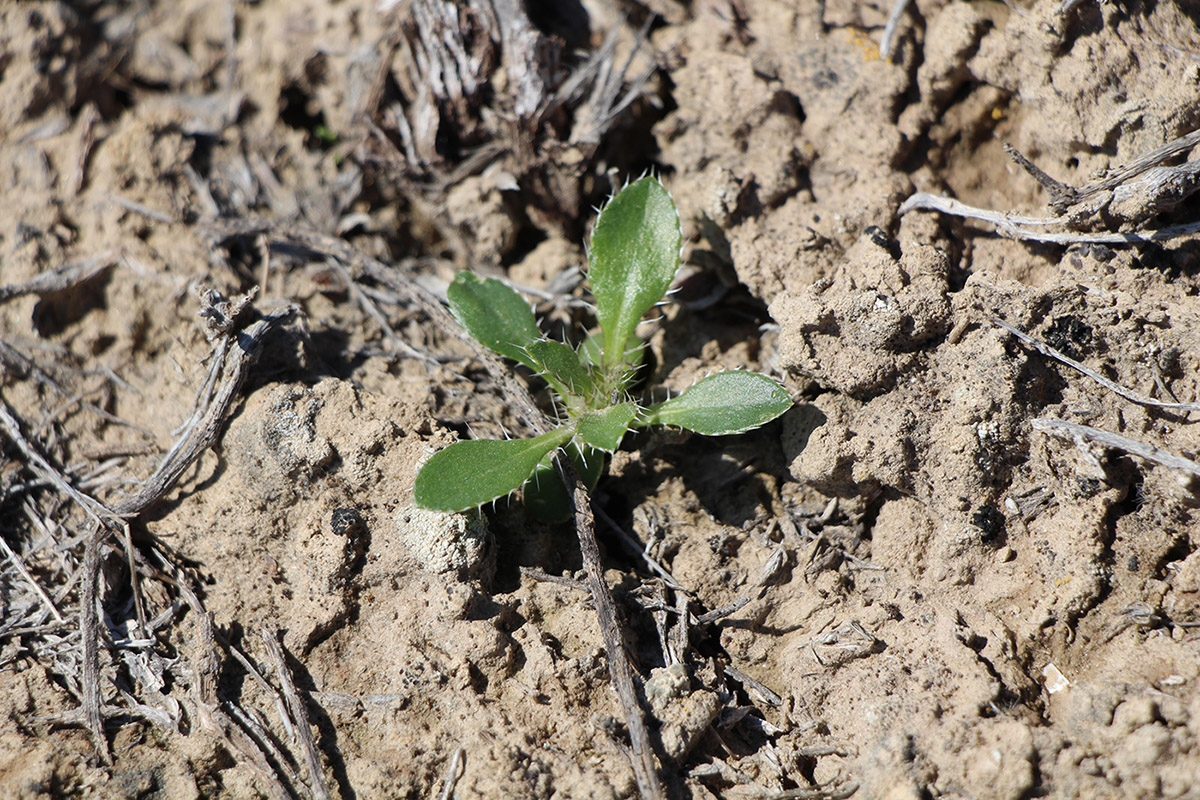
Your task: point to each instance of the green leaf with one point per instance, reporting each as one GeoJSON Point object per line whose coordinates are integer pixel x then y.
{"type": "Point", "coordinates": [728, 402]}
{"type": "Point", "coordinates": [558, 363]}
{"type": "Point", "coordinates": [633, 259]}
{"type": "Point", "coordinates": [469, 474]}
{"type": "Point", "coordinates": [495, 315]}
{"type": "Point", "coordinates": [604, 429]}
{"type": "Point", "coordinates": [592, 349]}
{"type": "Point", "coordinates": [545, 494]}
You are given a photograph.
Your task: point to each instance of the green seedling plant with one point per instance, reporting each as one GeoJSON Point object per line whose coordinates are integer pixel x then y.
{"type": "Point", "coordinates": [633, 258]}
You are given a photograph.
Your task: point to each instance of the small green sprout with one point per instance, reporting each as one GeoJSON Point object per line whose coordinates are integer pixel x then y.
{"type": "Point", "coordinates": [633, 259]}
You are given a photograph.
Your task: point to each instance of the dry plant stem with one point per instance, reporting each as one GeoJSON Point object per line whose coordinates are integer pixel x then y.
{"type": "Point", "coordinates": [92, 507]}
{"type": "Point", "coordinates": [212, 718]}
{"type": "Point", "coordinates": [203, 432]}
{"type": "Point", "coordinates": [769, 697]}
{"type": "Point", "coordinates": [1112, 386]}
{"type": "Point", "coordinates": [19, 565]}
{"type": "Point", "coordinates": [723, 611]}
{"type": "Point", "coordinates": [636, 549]}
{"type": "Point", "coordinates": [453, 773]}
{"type": "Point", "coordinates": [1070, 195]}
{"type": "Point", "coordinates": [619, 668]}
{"type": "Point", "coordinates": [361, 266]}
{"type": "Point", "coordinates": [20, 365]}
{"type": "Point", "coordinates": [60, 278]}
{"type": "Point", "coordinates": [89, 625]}
{"type": "Point", "coordinates": [138, 606]}
{"type": "Point", "coordinates": [1147, 452]}
{"type": "Point", "coordinates": [371, 310]}
{"type": "Point", "coordinates": [1010, 224]}
{"type": "Point", "coordinates": [303, 729]}
{"type": "Point", "coordinates": [232, 731]}
{"type": "Point", "coordinates": [889, 30]}
{"type": "Point", "coordinates": [819, 793]}
{"type": "Point", "coordinates": [1057, 189]}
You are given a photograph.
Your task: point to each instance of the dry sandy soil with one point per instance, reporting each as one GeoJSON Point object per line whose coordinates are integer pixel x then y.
{"type": "Point", "coordinates": [210, 539]}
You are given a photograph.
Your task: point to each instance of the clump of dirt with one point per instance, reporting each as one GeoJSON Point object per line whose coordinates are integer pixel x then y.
{"type": "Point", "coordinates": [909, 586]}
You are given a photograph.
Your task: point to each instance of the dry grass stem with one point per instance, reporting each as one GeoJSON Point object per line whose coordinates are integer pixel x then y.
{"type": "Point", "coordinates": [61, 278]}
{"type": "Point", "coordinates": [454, 771]}
{"type": "Point", "coordinates": [1011, 225]}
{"type": "Point", "coordinates": [620, 670]}
{"type": "Point", "coordinates": [299, 716]}
{"type": "Point", "coordinates": [886, 42]}
{"type": "Point", "coordinates": [1128, 394]}
{"type": "Point", "coordinates": [1147, 452]}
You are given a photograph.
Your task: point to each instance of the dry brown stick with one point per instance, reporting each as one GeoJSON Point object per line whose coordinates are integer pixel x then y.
{"type": "Point", "coordinates": [681, 639]}
{"type": "Point", "coordinates": [216, 363]}
{"type": "Point", "coordinates": [620, 670]}
{"type": "Point", "coordinates": [889, 29]}
{"type": "Point", "coordinates": [1011, 225]}
{"type": "Point", "coordinates": [1148, 452]}
{"type": "Point", "coordinates": [211, 717]}
{"type": "Point", "coordinates": [1134, 168]}
{"type": "Point", "coordinates": [24, 572]}
{"type": "Point", "coordinates": [21, 365]}
{"type": "Point", "coordinates": [1060, 193]}
{"type": "Point", "coordinates": [1112, 386]}
{"type": "Point", "coordinates": [605, 103]}
{"type": "Point", "coordinates": [368, 307]}
{"type": "Point", "coordinates": [842, 792]}
{"type": "Point", "coordinates": [632, 545]}
{"type": "Point", "coordinates": [200, 436]}
{"type": "Point", "coordinates": [38, 463]}
{"type": "Point", "coordinates": [88, 117]}
{"type": "Point", "coordinates": [769, 697]}
{"type": "Point", "coordinates": [302, 727]}
{"type": "Point", "coordinates": [723, 611]}
{"type": "Point", "coordinates": [407, 290]}
{"type": "Point", "coordinates": [141, 209]}
{"type": "Point", "coordinates": [134, 584]}
{"type": "Point", "coordinates": [453, 773]}
{"type": "Point", "coordinates": [89, 623]}
{"type": "Point", "coordinates": [89, 629]}
{"type": "Point", "coordinates": [60, 278]}
{"type": "Point", "coordinates": [1160, 188]}
{"type": "Point", "coordinates": [266, 685]}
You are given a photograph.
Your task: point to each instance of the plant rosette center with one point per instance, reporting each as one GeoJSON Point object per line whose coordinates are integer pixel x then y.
{"type": "Point", "coordinates": [633, 258]}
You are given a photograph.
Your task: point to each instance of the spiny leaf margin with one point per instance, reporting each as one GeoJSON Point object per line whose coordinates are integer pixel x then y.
{"type": "Point", "coordinates": [633, 258]}
{"type": "Point", "coordinates": [468, 474]}
{"type": "Point", "coordinates": [722, 404]}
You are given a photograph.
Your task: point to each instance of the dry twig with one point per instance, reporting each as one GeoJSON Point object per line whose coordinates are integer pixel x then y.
{"type": "Point", "coordinates": [203, 431]}
{"type": "Point", "coordinates": [1147, 452]}
{"type": "Point", "coordinates": [619, 668]}
{"type": "Point", "coordinates": [1062, 196]}
{"type": "Point", "coordinates": [301, 726]}
{"type": "Point", "coordinates": [454, 771]}
{"type": "Point", "coordinates": [60, 278]}
{"type": "Point", "coordinates": [1128, 394]}
{"type": "Point", "coordinates": [89, 626]}
{"type": "Point", "coordinates": [1018, 227]}
{"type": "Point", "coordinates": [889, 30]}
{"type": "Point", "coordinates": [1123, 198]}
